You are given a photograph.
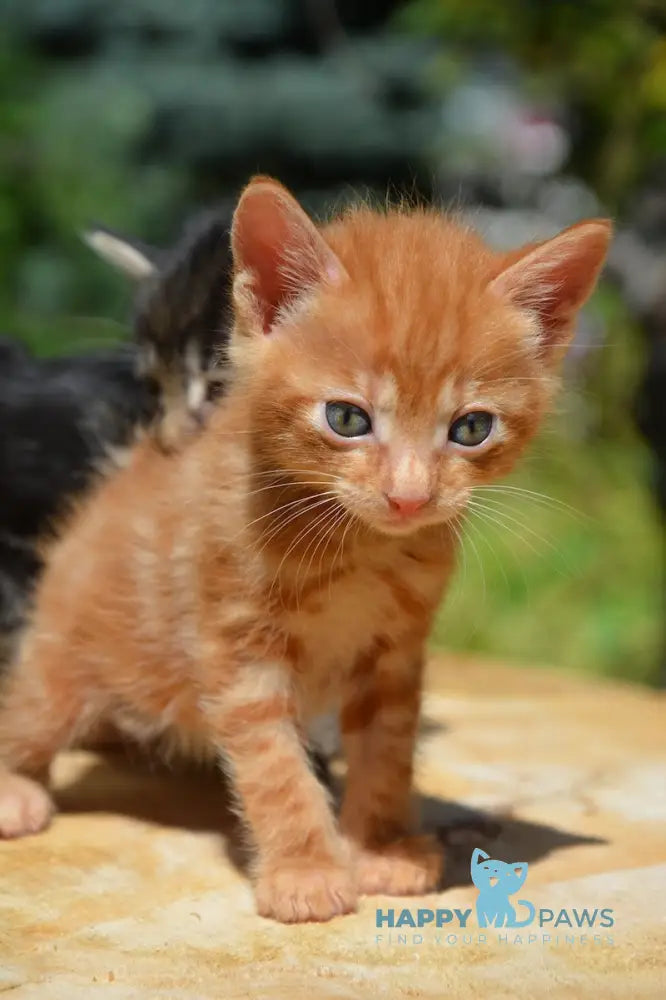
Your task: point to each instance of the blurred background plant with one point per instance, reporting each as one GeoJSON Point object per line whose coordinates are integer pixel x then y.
{"type": "Point", "coordinates": [526, 114]}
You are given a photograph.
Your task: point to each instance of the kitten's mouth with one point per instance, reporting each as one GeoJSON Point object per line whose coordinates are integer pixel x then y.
{"type": "Point", "coordinates": [493, 881]}
{"type": "Point", "coordinates": [406, 522]}
{"type": "Point", "coordinates": [399, 524]}
{"type": "Point", "coordinates": [387, 521]}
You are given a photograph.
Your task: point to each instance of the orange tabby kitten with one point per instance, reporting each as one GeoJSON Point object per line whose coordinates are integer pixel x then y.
{"type": "Point", "coordinates": [291, 559]}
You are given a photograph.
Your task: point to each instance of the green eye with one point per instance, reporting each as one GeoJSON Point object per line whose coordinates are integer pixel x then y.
{"type": "Point", "coordinates": [471, 429]}
{"type": "Point", "coordinates": [348, 420]}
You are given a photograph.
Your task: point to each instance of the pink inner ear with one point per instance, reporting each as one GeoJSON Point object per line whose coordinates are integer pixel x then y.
{"type": "Point", "coordinates": [274, 239]}
{"type": "Point", "coordinates": [555, 279]}
{"type": "Point", "coordinates": [260, 233]}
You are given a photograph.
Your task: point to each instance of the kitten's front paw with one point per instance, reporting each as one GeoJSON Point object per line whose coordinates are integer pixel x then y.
{"type": "Point", "coordinates": [406, 867]}
{"type": "Point", "coordinates": [299, 894]}
{"type": "Point", "coordinates": [25, 807]}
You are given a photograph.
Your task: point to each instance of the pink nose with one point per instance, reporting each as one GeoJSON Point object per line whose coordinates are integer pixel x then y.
{"type": "Point", "coordinates": [406, 506]}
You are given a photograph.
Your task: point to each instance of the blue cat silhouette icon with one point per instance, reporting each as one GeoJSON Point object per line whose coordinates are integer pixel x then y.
{"type": "Point", "coordinates": [496, 881]}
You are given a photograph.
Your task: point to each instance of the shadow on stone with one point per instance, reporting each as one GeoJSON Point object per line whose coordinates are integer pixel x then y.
{"type": "Point", "coordinates": [132, 784]}
{"type": "Point", "coordinates": [502, 835]}
{"type": "Point", "coordinates": [431, 727]}
{"type": "Point", "coordinates": [196, 799]}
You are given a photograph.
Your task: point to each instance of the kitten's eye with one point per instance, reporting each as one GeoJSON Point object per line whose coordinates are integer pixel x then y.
{"type": "Point", "coordinates": [348, 420]}
{"type": "Point", "coordinates": [471, 429]}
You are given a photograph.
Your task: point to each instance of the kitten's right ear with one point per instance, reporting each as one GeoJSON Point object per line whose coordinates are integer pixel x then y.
{"type": "Point", "coordinates": [122, 254]}
{"type": "Point", "coordinates": [278, 252]}
{"type": "Point", "coordinates": [479, 855]}
{"type": "Point", "coordinates": [553, 279]}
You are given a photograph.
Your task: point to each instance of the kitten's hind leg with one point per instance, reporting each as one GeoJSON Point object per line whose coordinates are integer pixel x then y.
{"type": "Point", "coordinates": [37, 719]}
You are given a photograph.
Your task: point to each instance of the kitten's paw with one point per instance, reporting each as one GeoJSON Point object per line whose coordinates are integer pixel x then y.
{"type": "Point", "coordinates": [298, 894]}
{"type": "Point", "coordinates": [25, 807]}
{"type": "Point", "coordinates": [406, 867]}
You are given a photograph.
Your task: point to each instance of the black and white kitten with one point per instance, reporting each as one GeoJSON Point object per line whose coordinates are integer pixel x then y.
{"type": "Point", "coordinates": [63, 422]}
{"type": "Point", "coordinates": [181, 316]}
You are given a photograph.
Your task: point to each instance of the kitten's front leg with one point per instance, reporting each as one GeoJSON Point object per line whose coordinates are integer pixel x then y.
{"type": "Point", "coordinates": [302, 870]}
{"type": "Point", "coordinates": [379, 721]}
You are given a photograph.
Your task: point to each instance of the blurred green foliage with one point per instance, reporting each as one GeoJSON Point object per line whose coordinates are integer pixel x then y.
{"type": "Point", "coordinates": [134, 112]}
{"type": "Point", "coordinates": [604, 60]}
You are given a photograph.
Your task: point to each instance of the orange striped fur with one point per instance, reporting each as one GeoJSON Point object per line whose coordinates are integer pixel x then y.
{"type": "Point", "coordinates": [224, 596]}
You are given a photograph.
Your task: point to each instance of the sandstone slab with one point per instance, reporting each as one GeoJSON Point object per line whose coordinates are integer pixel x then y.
{"type": "Point", "coordinates": [135, 891]}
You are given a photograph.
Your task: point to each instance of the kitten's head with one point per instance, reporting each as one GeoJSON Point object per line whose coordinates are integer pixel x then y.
{"type": "Point", "coordinates": [487, 873]}
{"type": "Point", "coordinates": [393, 356]}
{"type": "Point", "coordinates": [180, 322]}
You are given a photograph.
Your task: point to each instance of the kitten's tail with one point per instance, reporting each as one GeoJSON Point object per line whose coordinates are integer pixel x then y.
{"type": "Point", "coordinates": [135, 259]}
{"type": "Point", "coordinates": [531, 912]}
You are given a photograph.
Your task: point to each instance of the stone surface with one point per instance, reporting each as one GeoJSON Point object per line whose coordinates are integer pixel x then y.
{"type": "Point", "coordinates": [132, 893]}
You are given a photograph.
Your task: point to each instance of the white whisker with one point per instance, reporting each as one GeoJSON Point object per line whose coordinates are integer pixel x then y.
{"type": "Point", "coordinates": [480, 562]}
{"type": "Point", "coordinates": [503, 517]}
{"type": "Point", "coordinates": [294, 515]}
{"type": "Point", "coordinates": [501, 529]}
{"type": "Point", "coordinates": [536, 497]}
{"type": "Point", "coordinates": [486, 541]}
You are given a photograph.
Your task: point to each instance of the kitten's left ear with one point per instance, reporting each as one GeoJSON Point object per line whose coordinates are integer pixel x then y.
{"type": "Point", "coordinates": [278, 251]}
{"type": "Point", "coordinates": [554, 279]}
